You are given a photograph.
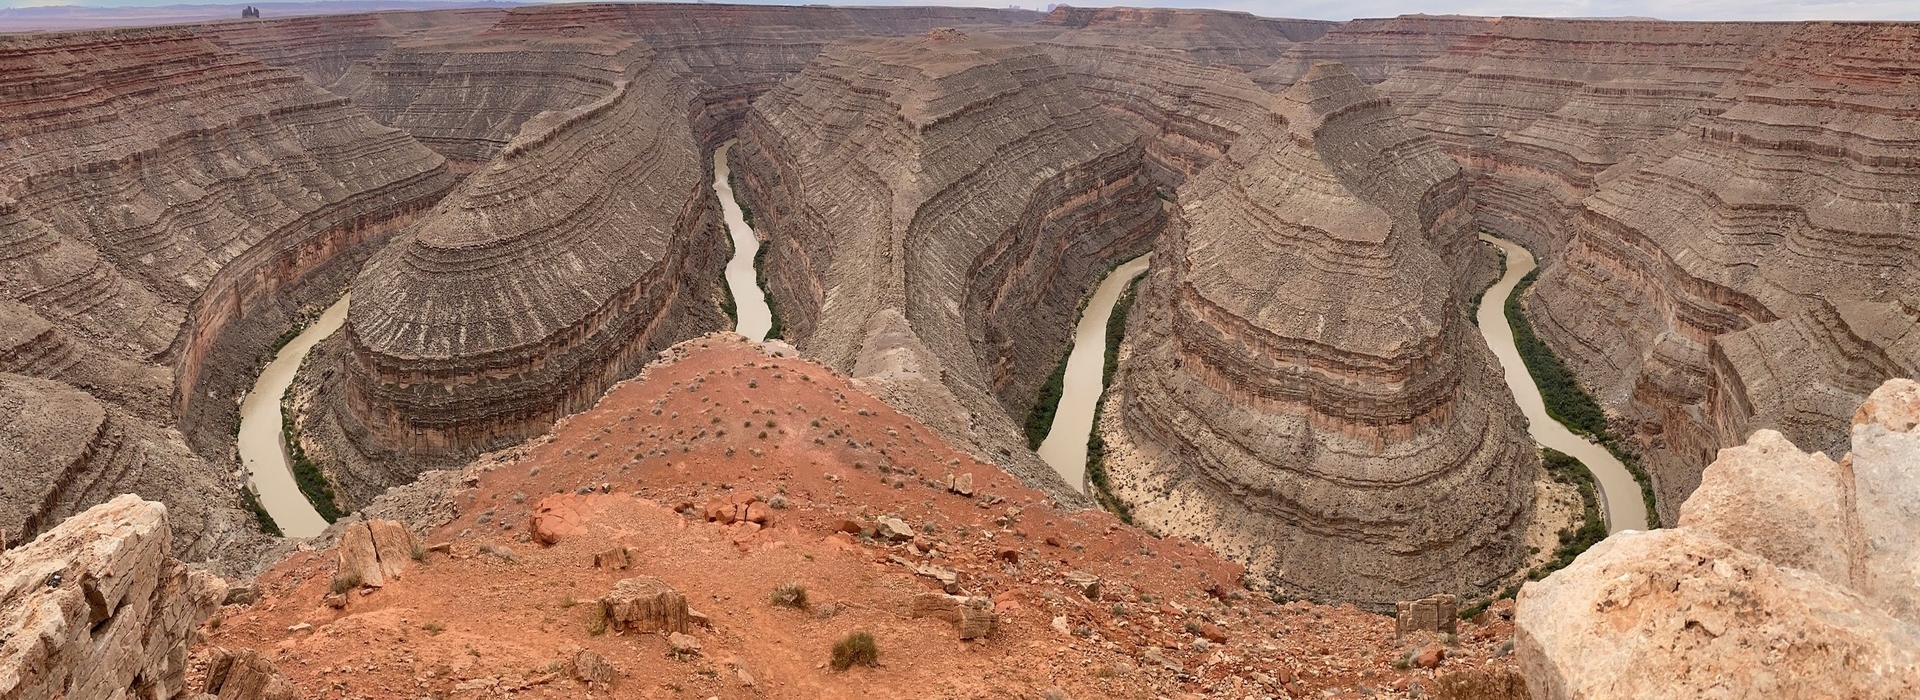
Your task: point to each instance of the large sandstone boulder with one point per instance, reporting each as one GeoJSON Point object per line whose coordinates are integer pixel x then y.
{"type": "Point", "coordinates": [645, 604]}
{"type": "Point", "coordinates": [95, 608]}
{"type": "Point", "coordinates": [372, 552]}
{"type": "Point", "coordinates": [1790, 576]}
{"type": "Point", "coordinates": [246, 675]}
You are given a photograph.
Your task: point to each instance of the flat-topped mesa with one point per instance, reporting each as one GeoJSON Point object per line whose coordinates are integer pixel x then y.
{"type": "Point", "coordinates": [1374, 48]}
{"type": "Point", "coordinates": [1538, 109]}
{"type": "Point", "coordinates": [168, 207]}
{"type": "Point", "coordinates": [1303, 391]}
{"type": "Point", "coordinates": [935, 210]}
{"type": "Point", "coordinates": [1758, 268]}
{"type": "Point", "coordinates": [734, 53]}
{"type": "Point", "coordinates": [467, 97]}
{"type": "Point", "coordinates": [1238, 39]}
{"type": "Point", "coordinates": [549, 274]}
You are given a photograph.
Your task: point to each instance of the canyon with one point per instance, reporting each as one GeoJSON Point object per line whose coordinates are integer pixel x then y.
{"type": "Point", "coordinates": [531, 206]}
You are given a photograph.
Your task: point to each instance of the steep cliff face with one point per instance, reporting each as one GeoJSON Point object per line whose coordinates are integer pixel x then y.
{"type": "Point", "coordinates": [1756, 268]}
{"type": "Point", "coordinates": [166, 206]}
{"type": "Point", "coordinates": [1373, 48]}
{"type": "Point", "coordinates": [936, 208]}
{"type": "Point", "coordinates": [465, 98]}
{"type": "Point", "coordinates": [551, 273]}
{"type": "Point", "coordinates": [1790, 575]}
{"type": "Point", "coordinates": [1304, 392]}
{"type": "Point", "coordinates": [96, 608]}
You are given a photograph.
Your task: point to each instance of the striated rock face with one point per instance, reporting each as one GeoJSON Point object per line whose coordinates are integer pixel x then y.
{"type": "Point", "coordinates": [1373, 48]}
{"type": "Point", "coordinates": [1790, 575]}
{"type": "Point", "coordinates": [550, 274]}
{"type": "Point", "coordinates": [322, 48]}
{"type": "Point", "coordinates": [1755, 268]}
{"type": "Point", "coordinates": [467, 97]}
{"type": "Point", "coordinates": [1303, 390]}
{"type": "Point", "coordinates": [166, 207]}
{"type": "Point", "coordinates": [935, 210]}
{"type": "Point", "coordinates": [734, 53]}
{"type": "Point", "coordinates": [1234, 39]}
{"type": "Point", "coordinates": [96, 608]}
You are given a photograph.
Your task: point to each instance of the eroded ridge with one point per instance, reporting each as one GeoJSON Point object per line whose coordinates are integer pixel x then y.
{"type": "Point", "coordinates": [1303, 391]}
{"type": "Point", "coordinates": [936, 208]}
{"type": "Point", "coordinates": [551, 273]}
{"type": "Point", "coordinates": [166, 207]}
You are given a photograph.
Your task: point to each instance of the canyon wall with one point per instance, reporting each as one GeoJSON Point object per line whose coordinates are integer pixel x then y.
{"type": "Point", "coordinates": [559, 268]}
{"type": "Point", "coordinates": [936, 207]}
{"type": "Point", "coordinates": [1303, 391]}
{"type": "Point", "coordinates": [1757, 268]}
{"type": "Point", "coordinates": [1373, 49]}
{"type": "Point", "coordinates": [323, 48]}
{"type": "Point", "coordinates": [166, 208]}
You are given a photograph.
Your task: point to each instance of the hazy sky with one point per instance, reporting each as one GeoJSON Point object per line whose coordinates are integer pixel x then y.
{"type": "Point", "coordinates": [1347, 9]}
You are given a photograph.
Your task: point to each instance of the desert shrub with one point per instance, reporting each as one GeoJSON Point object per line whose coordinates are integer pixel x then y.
{"type": "Point", "coordinates": [855, 649]}
{"type": "Point", "coordinates": [790, 595]}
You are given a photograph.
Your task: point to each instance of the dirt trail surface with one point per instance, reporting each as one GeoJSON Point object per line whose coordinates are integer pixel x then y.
{"type": "Point", "coordinates": [261, 447]}
{"type": "Point", "coordinates": [1619, 494]}
{"type": "Point", "coordinates": [497, 613]}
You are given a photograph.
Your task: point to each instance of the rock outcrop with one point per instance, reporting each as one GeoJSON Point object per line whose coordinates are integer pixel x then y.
{"type": "Point", "coordinates": [935, 209]}
{"type": "Point", "coordinates": [97, 608]}
{"type": "Point", "coordinates": [550, 274]}
{"type": "Point", "coordinates": [323, 48]}
{"type": "Point", "coordinates": [167, 207]}
{"type": "Point", "coordinates": [246, 675]}
{"type": "Point", "coordinates": [1790, 575]}
{"type": "Point", "coordinates": [1235, 39]}
{"type": "Point", "coordinates": [1304, 392]}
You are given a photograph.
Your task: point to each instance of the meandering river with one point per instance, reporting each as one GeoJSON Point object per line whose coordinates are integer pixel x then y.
{"type": "Point", "coordinates": [1065, 448]}
{"type": "Point", "coordinates": [1619, 494]}
{"type": "Point", "coordinates": [749, 301]}
{"type": "Point", "coordinates": [262, 450]}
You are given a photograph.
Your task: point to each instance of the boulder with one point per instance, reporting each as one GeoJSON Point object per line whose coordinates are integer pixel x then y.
{"type": "Point", "coordinates": [893, 529]}
{"type": "Point", "coordinates": [1439, 613]}
{"type": "Point", "coordinates": [614, 559]}
{"type": "Point", "coordinates": [683, 644]}
{"type": "Point", "coordinates": [95, 607]}
{"type": "Point", "coordinates": [371, 552]}
{"type": "Point", "coordinates": [557, 516]}
{"type": "Point", "coordinates": [961, 484]}
{"type": "Point", "coordinates": [244, 674]}
{"type": "Point", "coordinates": [1790, 575]}
{"type": "Point", "coordinates": [589, 668]}
{"type": "Point", "coordinates": [645, 604]}
{"type": "Point", "coordinates": [973, 617]}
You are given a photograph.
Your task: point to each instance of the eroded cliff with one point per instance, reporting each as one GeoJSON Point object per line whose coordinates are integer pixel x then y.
{"type": "Point", "coordinates": [166, 208]}
{"type": "Point", "coordinates": [935, 209]}
{"type": "Point", "coordinates": [1304, 392]}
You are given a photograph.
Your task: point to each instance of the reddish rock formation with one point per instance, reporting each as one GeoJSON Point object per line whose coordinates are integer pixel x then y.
{"type": "Point", "coordinates": [1304, 392]}
{"type": "Point", "coordinates": [1788, 576]}
{"type": "Point", "coordinates": [167, 207]}
{"type": "Point", "coordinates": [940, 252]}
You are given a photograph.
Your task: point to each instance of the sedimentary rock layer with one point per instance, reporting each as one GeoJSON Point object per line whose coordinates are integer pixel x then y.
{"type": "Point", "coordinates": [549, 274]}
{"type": "Point", "coordinates": [935, 209]}
{"type": "Point", "coordinates": [96, 608]}
{"type": "Point", "coordinates": [1234, 39]}
{"type": "Point", "coordinates": [733, 53]}
{"type": "Point", "coordinates": [1756, 268]}
{"type": "Point", "coordinates": [1304, 391]}
{"type": "Point", "coordinates": [1790, 575]}
{"type": "Point", "coordinates": [166, 206]}
{"type": "Point", "coordinates": [323, 48]}
{"type": "Point", "coordinates": [467, 97]}
{"type": "Point", "coordinates": [1373, 48]}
